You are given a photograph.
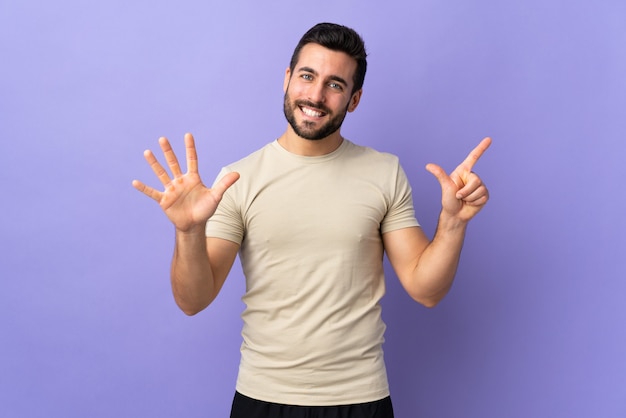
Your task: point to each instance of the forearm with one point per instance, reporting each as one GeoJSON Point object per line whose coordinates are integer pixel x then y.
{"type": "Point", "coordinates": [436, 267]}
{"type": "Point", "coordinates": [192, 279]}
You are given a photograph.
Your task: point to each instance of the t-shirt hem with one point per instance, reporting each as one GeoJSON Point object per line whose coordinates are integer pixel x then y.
{"type": "Point", "coordinates": [400, 225]}
{"type": "Point", "coordinates": [210, 233]}
{"type": "Point", "coordinates": [315, 400]}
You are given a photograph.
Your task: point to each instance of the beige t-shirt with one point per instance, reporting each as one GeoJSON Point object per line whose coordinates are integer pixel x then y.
{"type": "Point", "coordinates": [311, 251]}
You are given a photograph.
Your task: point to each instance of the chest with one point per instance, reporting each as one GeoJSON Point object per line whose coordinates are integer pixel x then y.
{"type": "Point", "coordinates": [318, 209]}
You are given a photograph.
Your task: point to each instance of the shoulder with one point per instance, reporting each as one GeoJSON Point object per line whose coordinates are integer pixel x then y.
{"type": "Point", "coordinates": [251, 159]}
{"type": "Point", "coordinates": [369, 155]}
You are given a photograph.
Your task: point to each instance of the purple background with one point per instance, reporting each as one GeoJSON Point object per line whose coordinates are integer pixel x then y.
{"type": "Point", "coordinates": [534, 326]}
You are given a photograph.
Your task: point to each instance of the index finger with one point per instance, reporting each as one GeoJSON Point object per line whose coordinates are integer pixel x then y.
{"type": "Point", "coordinates": [192, 155]}
{"type": "Point", "coordinates": [476, 153]}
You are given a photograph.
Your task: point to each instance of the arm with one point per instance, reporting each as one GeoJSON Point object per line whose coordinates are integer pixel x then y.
{"type": "Point", "coordinates": [200, 265]}
{"type": "Point", "coordinates": [426, 268]}
{"type": "Point", "coordinates": [199, 269]}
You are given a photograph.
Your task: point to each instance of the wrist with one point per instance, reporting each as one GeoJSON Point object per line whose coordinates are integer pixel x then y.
{"type": "Point", "coordinates": [449, 222]}
{"type": "Point", "coordinates": [193, 232]}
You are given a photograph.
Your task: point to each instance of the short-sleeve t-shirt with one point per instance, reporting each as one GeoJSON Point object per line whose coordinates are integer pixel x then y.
{"type": "Point", "coordinates": [310, 234]}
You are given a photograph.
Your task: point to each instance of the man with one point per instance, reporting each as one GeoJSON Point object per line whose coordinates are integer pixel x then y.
{"type": "Point", "coordinates": [311, 218]}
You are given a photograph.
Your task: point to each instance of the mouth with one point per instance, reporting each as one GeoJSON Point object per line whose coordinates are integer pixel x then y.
{"type": "Point", "coordinates": [311, 111]}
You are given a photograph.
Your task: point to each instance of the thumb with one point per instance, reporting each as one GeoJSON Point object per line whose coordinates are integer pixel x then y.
{"type": "Point", "coordinates": [225, 182]}
{"type": "Point", "coordinates": [439, 174]}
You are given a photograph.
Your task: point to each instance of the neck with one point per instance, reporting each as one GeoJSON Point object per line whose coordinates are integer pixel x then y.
{"type": "Point", "coordinates": [295, 144]}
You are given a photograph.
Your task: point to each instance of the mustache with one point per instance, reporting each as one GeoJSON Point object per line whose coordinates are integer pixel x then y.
{"type": "Point", "coordinates": [319, 106]}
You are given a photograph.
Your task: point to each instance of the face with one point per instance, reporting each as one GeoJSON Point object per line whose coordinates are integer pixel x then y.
{"type": "Point", "coordinates": [318, 93]}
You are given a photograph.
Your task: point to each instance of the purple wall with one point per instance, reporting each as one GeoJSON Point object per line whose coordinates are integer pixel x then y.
{"type": "Point", "coordinates": [534, 326]}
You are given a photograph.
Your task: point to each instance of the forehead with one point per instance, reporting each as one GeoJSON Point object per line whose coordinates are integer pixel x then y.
{"type": "Point", "coordinates": [326, 62]}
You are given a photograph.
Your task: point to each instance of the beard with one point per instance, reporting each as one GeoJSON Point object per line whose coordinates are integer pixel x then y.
{"type": "Point", "coordinates": [307, 129]}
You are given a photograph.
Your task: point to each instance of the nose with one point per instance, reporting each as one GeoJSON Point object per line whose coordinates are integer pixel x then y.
{"type": "Point", "coordinates": [316, 92]}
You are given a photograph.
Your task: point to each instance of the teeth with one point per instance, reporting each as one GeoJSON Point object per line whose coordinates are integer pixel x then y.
{"type": "Point", "coordinates": [310, 112]}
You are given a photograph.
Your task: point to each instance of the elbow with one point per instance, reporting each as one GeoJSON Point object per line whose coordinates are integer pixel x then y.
{"type": "Point", "coordinates": [428, 302]}
{"type": "Point", "coordinates": [191, 304]}
{"type": "Point", "coordinates": [191, 309]}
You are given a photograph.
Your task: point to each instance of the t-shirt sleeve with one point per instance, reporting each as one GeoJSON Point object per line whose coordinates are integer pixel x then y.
{"type": "Point", "coordinates": [401, 213]}
{"type": "Point", "coordinates": [226, 222]}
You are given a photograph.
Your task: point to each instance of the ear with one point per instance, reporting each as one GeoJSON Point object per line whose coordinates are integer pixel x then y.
{"type": "Point", "coordinates": [354, 100]}
{"type": "Point", "coordinates": [287, 79]}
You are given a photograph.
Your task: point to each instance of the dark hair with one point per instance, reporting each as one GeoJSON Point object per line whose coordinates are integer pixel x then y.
{"type": "Point", "coordinates": [337, 38]}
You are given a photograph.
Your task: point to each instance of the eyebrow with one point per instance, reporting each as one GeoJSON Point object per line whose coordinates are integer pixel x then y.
{"type": "Point", "coordinates": [332, 77]}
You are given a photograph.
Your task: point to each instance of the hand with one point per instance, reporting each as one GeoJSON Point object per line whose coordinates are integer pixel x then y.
{"type": "Point", "coordinates": [186, 201]}
{"type": "Point", "coordinates": [463, 193]}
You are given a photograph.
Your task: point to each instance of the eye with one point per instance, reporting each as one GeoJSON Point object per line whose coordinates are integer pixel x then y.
{"type": "Point", "coordinates": [307, 77]}
{"type": "Point", "coordinates": [335, 86]}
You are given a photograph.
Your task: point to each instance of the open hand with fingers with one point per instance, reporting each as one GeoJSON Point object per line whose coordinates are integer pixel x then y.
{"type": "Point", "coordinates": [463, 194]}
{"type": "Point", "coordinates": [186, 201]}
